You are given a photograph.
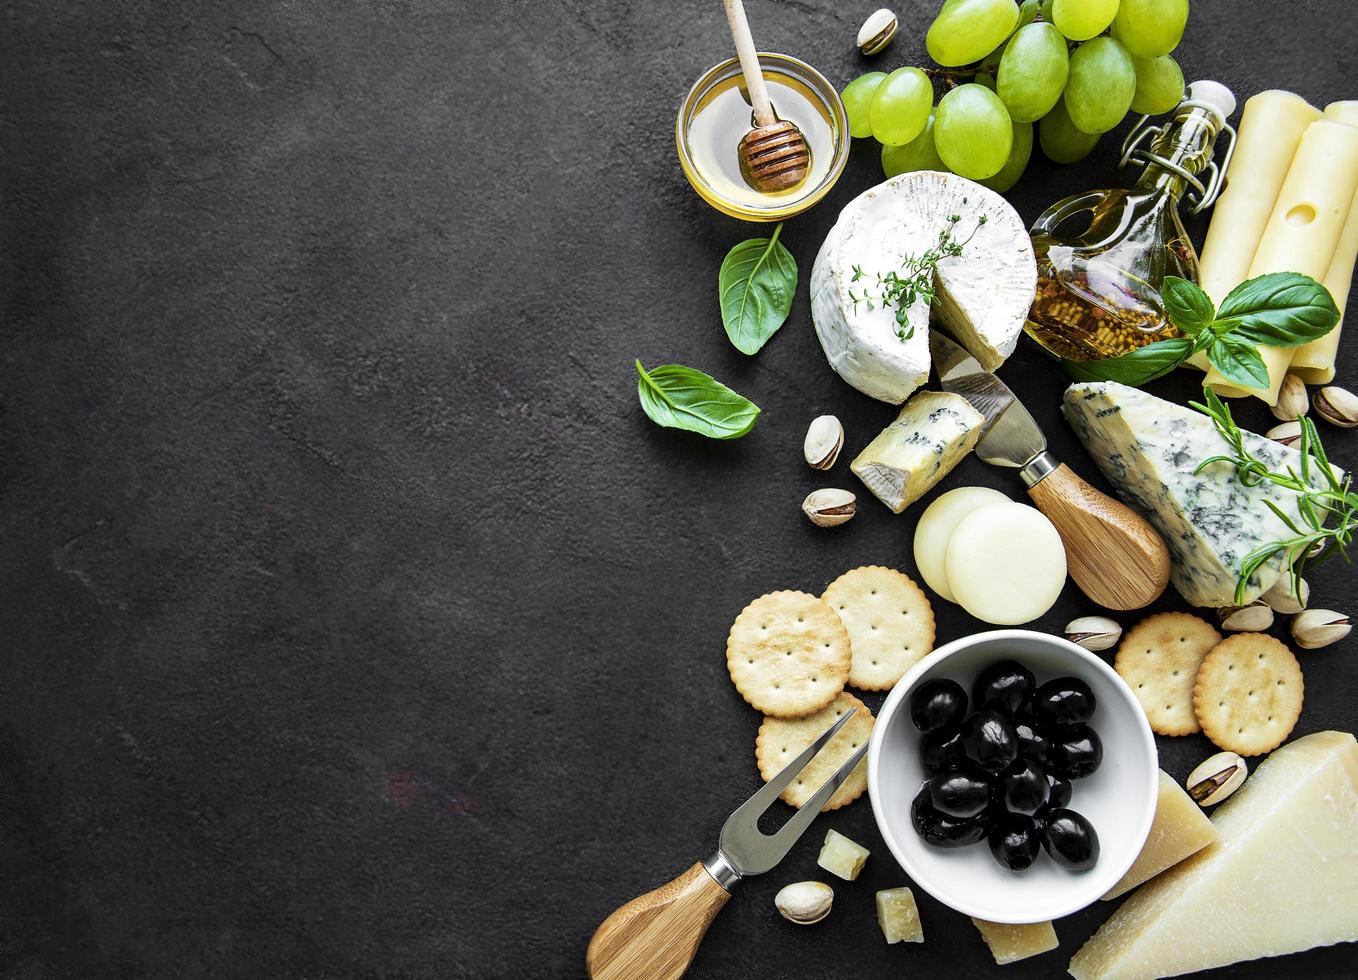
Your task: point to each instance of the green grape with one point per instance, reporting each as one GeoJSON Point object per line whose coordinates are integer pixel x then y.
{"type": "Point", "coordinates": [901, 105]}
{"type": "Point", "coordinates": [919, 154]}
{"type": "Point", "coordinates": [1059, 138]}
{"type": "Point", "coordinates": [973, 132]}
{"type": "Point", "coordinates": [1018, 160]}
{"type": "Point", "coordinates": [1159, 85]}
{"type": "Point", "coordinates": [1033, 72]}
{"type": "Point", "coordinates": [1101, 85]}
{"type": "Point", "coordinates": [1080, 20]}
{"type": "Point", "coordinates": [1028, 12]}
{"type": "Point", "coordinates": [857, 98]}
{"type": "Point", "coordinates": [1150, 28]}
{"type": "Point", "coordinates": [967, 30]}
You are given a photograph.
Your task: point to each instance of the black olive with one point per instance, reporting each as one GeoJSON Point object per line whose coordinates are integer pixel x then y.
{"type": "Point", "coordinates": [1025, 788]}
{"type": "Point", "coordinates": [1064, 701]}
{"type": "Point", "coordinates": [1070, 840]}
{"type": "Point", "coordinates": [989, 741]}
{"type": "Point", "coordinates": [1076, 751]}
{"type": "Point", "coordinates": [1032, 744]}
{"type": "Point", "coordinates": [940, 830]}
{"type": "Point", "coordinates": [1014, 842]}
{"type": "Point", "coordinates": [1060, 792]}
{"type": "Point", "coordinates": [941, 751]}
{"type": "Point", "coordinates": [1004, 686]}
{"type": "Point", "coordinates": [938, 704]}
{"type": "Point", "coordinates": [961, 794]}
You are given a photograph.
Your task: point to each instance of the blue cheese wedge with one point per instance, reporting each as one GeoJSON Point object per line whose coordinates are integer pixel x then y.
{"type": "Point", "coordinates": [1148, 449]}
{"type": "Point", "coordinates": [931, 435]}
{"type": "Point", "coordinates": [981, 297]}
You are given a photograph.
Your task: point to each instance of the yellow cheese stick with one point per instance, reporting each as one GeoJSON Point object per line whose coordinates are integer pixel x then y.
{"type": "Point", "coordinates": [1314, 362]}
{"type": "Point", "coordinates": [1303, 231]}
{"type": "Point", "coordinates": [1270, 129]}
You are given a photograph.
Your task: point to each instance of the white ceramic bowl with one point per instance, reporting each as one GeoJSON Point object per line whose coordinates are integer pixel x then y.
{"type": "Point", "coordinates": [1119, 799]}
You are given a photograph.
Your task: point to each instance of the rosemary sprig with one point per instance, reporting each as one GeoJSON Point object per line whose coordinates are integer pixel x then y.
{"type": "Point", "coordinates": [1321, 495]}
{"type": "Point", "coordinates": [903, 291]}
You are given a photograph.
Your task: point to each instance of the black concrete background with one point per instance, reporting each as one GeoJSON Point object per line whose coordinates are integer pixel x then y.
{"type": "Point", "coordinates": [355, 621]}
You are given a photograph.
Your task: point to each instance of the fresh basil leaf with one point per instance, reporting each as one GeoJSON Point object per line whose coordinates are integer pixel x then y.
{"type": "Point", "coordinates": [1281, 309]}
{"type": "Point", "coordinates": [1189, 308]}
{"type": "Point", "coordinates": [1238, 361]}
{"type": "Point", "coordinates": [756, 285]}
{"type": "Point", "coordinates": [1135, 367]}
{"type": "Point", "coordinates": [679, 397]}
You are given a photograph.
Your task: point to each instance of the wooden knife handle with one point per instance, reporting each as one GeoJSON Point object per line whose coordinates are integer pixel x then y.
{"type": "Point", "coordinates": [1112, 553]}
{"type": "Point", "coordinates": [656, 936]}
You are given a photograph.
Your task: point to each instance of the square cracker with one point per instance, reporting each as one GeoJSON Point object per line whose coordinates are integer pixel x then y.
{"type": "Point", "coordinates": [1249, 693]}
{"type": "Point", "coordinates": [890, 624]}
{"type": "Point", "coordinates": [780, 739]}
{"type": "Point", "coordinates": [1159, 659]}
{"type": "Point", "coordinates": [788, 654]}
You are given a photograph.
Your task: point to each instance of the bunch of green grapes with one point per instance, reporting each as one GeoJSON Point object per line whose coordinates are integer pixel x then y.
{"type": "Point", "coordinates": [1073, 68]}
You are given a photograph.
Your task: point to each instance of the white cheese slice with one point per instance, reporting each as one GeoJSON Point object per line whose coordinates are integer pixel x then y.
{"type": "Point", "coordinates": [1148, 449]}
{"type": "Point", "coordinates": [982, 296]}
{"type": "Point", "coordinates": [936, 526]}
{"type": "Point", "coordinates": [933, 432]}
{"type": "Point", "coordinates": [1283, 876]}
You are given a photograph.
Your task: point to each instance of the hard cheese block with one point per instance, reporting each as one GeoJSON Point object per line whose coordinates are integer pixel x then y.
{"type": "Point", "coordinates": [1180, 829]}
{"type": "Point", "coordinates": [898, 916]}
{"type": "Point", "coordinates": [931, 435]}
{"type": "Point", "coordinates": [1282, 878]}
{"type": "Point", "coordinates": [1010, 943]}
{"type": "Point", "coordinates": [981, 296]}
{"type": "Point", "coordinates": [1148, 448]}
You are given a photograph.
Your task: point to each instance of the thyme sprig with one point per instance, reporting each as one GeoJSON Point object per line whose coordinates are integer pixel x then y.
{"type": "Point", "coordinates": [1321, 496]}
{"type": "Point", "coordinates": [903, 291]}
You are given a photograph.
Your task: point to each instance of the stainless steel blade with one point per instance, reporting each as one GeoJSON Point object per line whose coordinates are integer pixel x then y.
{"type": "Point", "coordinates": [1010, 436]}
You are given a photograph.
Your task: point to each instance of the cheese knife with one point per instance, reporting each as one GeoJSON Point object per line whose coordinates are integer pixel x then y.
{"type": "Point", "coordinates": [1112, 553]}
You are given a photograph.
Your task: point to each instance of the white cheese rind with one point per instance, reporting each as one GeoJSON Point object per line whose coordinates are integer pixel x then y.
{"type": "Point", "coordinates": [982, 295]}
{"type": "Point", "coordinates": [1148, 448]}
{"type": "Point", "coordinates": [1283, 876]}
{"type": "Point", "coordinates": [934, 430]}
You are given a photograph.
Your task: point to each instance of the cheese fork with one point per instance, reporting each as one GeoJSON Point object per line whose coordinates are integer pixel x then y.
{"type": "Point", "coordinates": [656, 936]}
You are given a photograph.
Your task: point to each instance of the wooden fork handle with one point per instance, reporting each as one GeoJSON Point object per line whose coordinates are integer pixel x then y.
{"type": "Point", "coordinates": [656, 936]}
{"type": "Point", "coordinates": [1112, 553]}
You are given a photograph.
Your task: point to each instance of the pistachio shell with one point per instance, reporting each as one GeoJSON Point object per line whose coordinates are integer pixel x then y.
{"type": "Point", "coordinates": [1246, 619]}
{"type": "Point", "coordinates": [1338, 406]}
{"type": "Point", "coordinates": [1217, 778]}
{"type": "Point", "coordinates": [1094, 632]}
{"type": "Point", "coordinates": [1291, 404]}
{"type": "Point", "coordinates": [804, 902]}
{"type": "Point", "coordinates": [877, 31]}
{"type": "Point", "coordinates": [1289, 433]}
{"type": "Point", "coordinates": [1316, 628]}
{"type": "Point", "coordinates": [824, 439]}
{"type": "Point", "coordinates": [830, 507]}
{"type": "Point", "coordinates": [1281, 598]}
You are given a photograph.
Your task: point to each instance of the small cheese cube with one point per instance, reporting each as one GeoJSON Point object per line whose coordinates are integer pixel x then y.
{"type": "Point", "coordinates": [1011, 943]}
{"type": "Point", "coordinates": [841, 856]}
{"type": "Point", "coordinates": [1180, 829]}
{"type": "Point", "coordinates": [898, 916]}
{"type": "Point", "coordinates": [934, 431]}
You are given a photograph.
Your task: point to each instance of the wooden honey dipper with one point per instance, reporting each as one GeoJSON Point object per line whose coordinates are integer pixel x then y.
{"type": "Point", "coordinates": [773, 155]}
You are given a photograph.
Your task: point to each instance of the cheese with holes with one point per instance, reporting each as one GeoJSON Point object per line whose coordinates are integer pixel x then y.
{"type": "Point", "coordinates": [981, 296]}
{"type": "Point", "coordinates": [1281, 878]}
{"type": "Point", "coordinates": [932, 433]}
{"type": "Point", "coordinates": [1148, 448]}
{"type": "Point", "coordinates": [1011, 943]}
{"type": "Point", "coordinates": [841, 856]}
{"type": "Point", "coordinates": [1180, 829]}
{"type": "Point", "coordinates": [898, 916]}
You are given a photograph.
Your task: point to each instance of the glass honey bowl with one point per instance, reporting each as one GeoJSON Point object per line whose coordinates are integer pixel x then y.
{"type": "Point", "coordinates": [716, 113]}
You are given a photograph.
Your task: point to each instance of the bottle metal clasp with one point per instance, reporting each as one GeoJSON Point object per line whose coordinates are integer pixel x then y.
{"type": "Point", "coordinates": [1201, 195]}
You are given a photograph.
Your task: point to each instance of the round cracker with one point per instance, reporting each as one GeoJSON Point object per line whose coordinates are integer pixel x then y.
{"type": "Point", "coordinates": [889, 620]}
{"type": "Point", "coordinates": [1159, 659]}
{"type": "Point", "coordinates": [1248, 694]}
{"type": "Point", "coordinates": [788, 654]}
{"type": "Point", "coordinates": [781, 739]}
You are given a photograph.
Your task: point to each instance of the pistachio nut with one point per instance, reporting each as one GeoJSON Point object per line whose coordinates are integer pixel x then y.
{"type": "Point", "coordinates": [804, 902]}
{"type": "Point", "coordinates": [824, 439]}
{"type": "Point", "coordinates": [1338, 406]}
{"type": "Point", "coordinates": [830, 507]}
{"type": "Point", "coordinates": [1094, 632]}
{"type": "Point", "coordinates": [877, 31]}
{"type": "Point", "coordinates": [1217, 778]}
{"type": "Point", "coordinates": [1289, 433]}
{"type": "Point", "coordinates": [1316, 628]}
{"type": "Point", "coordinates": [1283, 599]}
{"type": "Point", "coordinates": [1246, 619]}
{"type": "Point", "coordinates": [1291, 404]}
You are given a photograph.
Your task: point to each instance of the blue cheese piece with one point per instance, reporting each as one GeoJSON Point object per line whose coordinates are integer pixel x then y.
{"type": "Point", "coordinates": [981, 296]}
{"type": "Point", "coordinates": [931, 435]}
{"type": "Point", "coordinates": [1148, 449]}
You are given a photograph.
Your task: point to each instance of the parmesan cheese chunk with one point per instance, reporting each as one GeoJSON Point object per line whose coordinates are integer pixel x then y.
{"type": "Point", "coordinates": [1180, 829]}
{"type": "Point", "coordinates": [1011, 943]}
